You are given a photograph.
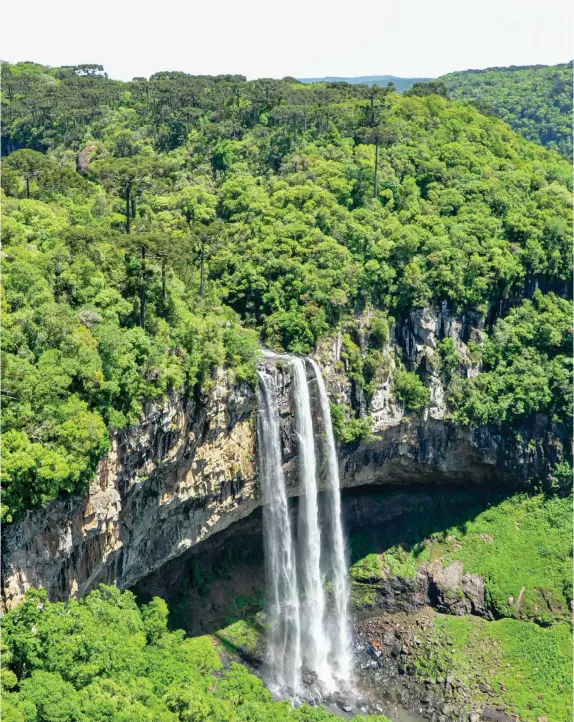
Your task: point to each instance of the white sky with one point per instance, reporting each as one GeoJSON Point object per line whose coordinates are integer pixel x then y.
{"type": "Point", "coordinates": [302, 38]}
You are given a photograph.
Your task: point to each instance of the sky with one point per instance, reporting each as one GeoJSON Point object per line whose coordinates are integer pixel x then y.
{"type": "Point", "coordinates": [300, 38]}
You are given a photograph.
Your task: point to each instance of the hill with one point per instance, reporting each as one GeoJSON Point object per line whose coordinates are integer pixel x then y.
{"type": "Point", "coordinates": [401, 84]}
{"type": "Point", "coordinates": [535, 100]}
{"type": "Point", "coordinates": [156, 229]}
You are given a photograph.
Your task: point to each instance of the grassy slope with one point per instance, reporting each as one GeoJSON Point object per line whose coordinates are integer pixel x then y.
{"type": "Point", "coordinates": [523, 544]}
{"type": "Point", "coordinates": [520, 543]}
{"type": "Point", "coordinates": [527, 667]}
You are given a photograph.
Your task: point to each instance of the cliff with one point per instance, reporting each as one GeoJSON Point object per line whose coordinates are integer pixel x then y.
{"type": "Point", "coordinates": [190, 469]}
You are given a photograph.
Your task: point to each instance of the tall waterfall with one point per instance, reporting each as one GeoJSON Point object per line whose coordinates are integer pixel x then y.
{"type": "Point", "coordinates": [305, 628]}
{"type": "Point", "coordinates": [284, 635]}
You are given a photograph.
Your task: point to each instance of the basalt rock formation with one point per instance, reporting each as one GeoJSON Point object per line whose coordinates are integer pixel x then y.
{"type": "Point", "coordinates": [189, 469]}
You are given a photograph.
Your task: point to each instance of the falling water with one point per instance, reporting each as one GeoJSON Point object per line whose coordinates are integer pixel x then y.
{"type": "Point", "coordinates": [316, 649]}
{"type": "Point", "coordinates": [339, 629]}
{"type": "Point", "coordinates": [303, 633]}
{"type": "Point", "coordinates": [284, 633]}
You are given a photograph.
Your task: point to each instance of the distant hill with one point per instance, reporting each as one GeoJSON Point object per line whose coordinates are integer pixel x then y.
{"type": "Point", "coordinates": [401, 84]}
{"type": "Point", "coordinates": [536, 100]}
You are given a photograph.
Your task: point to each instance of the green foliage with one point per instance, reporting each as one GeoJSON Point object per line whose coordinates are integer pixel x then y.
{"type": "Point", "coordinates": [528, 668]}
{"type": "Point", "coordinates": [448, 355]}
{"type": "Point", "coordinates": [411, 391]}
{"type": "Point", "coordinates": [527, 366]}
{"type": "Point", "coordinates": [534, 100]}
{"type": "Point", "coordinates": [155, 615]}
{"type": "Point", "coordinates": [368, 568]}
{"type": "Point", "coordinates": [104, 660]}
{"type": "Point", "coordinates": [348, 429]}
{"type": "Point", "coordinates": [432, 87]}
{"type": "Point", "coordinates": [521, 546]}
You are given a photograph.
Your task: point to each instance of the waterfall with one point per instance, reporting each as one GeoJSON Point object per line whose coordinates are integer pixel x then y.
{"type": "Point", "coordinates": [316, 647]}
{"type": "Point", "coordinates": [303, 630]}
{"type": "Point", "coordinates": [284, 632]}
{"type": "Point", "coordinates": [339, 630]}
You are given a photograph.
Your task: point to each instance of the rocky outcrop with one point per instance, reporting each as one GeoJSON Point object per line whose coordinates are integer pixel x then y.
{"type": "Point", "coordinates": [86, 155]}
{"type": "Point", "coordinates": [190, 470]}
{"type": "Point", "coordinates": [446, 588]}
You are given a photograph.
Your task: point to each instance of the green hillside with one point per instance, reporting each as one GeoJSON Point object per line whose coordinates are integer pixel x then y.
{"type": "Point", "coordinates": [535, 100]}
{"type": "Point", "coordinates": [156, 228]}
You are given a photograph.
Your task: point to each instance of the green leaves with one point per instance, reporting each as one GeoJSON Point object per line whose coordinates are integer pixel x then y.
{"type": "Point", "coordinates": [536, 101]}
{"type": "Point", "coordinates": [104, 660]}
{"type": "Point", "coordinates": [527, 367]}
{"type": "Point", "coordinates": [411, 391]}
{"type": "Point", "coordinates": [204, 204]}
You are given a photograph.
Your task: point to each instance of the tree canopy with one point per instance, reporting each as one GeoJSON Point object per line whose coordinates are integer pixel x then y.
{"type": "Point", "coordinates": [535, 100]}
{"type": "Point", "coordinates": [104, 659]}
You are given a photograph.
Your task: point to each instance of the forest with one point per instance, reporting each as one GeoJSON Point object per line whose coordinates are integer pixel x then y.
{"type": "Point", "coordinates": [155, 228]}
{"type": "Point", "coordinates": [158, 229]}
{"type": "Point", "coordinates": [535, 100]}
{"type": "Point", "coordinates": [104, 658]}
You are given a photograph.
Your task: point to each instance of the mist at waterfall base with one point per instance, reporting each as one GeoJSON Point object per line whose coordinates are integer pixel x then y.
{"type": "Point", "coordinates": [308, 648]}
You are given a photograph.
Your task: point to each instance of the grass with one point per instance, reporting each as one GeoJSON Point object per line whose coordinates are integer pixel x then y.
{"type": "Point", "coordinates": [521, 546]}
{"type": "Point", "coordinates": [243, 636]}
{"type": "Point", "coordinates": [527, 667]}
{"type": "Point", "coordinates": [370, 568]}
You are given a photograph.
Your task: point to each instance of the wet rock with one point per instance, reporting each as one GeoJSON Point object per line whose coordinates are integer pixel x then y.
{"type": "Point", "coordinates": [389, 638]}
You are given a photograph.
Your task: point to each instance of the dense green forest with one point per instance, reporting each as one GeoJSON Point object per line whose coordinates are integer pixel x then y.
{"type": "Point", "coordinates": [103, 659]}
{"type": "Point", "coordinates": [535, 100]}
{"type": "Point", "coordinates": [157, 228]}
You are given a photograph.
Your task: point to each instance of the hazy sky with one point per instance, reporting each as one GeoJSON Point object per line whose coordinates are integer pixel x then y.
{"type": "Point", "coordinates": [303, 38]}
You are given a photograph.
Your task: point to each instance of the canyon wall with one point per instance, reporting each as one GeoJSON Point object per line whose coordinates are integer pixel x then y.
{"type": "Point", "coordinates": [189, 469]}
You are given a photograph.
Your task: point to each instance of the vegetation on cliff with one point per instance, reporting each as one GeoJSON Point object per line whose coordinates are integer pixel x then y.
{"type": "Point", "coordinates": [156, 229]}
{"type": "Point", "coordinates": [535, 100]}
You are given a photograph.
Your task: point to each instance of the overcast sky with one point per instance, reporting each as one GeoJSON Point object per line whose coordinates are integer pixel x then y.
{"type": "Point", "coordinates": [302, 38]}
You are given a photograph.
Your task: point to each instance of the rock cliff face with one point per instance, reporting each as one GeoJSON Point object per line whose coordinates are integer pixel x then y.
{"type": "Point", "coordinates": [190, 470]}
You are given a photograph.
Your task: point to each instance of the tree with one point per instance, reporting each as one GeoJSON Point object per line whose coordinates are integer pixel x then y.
{"type": "Point", "coordinates": [126, 176]}
{"type": "Point", "coordinates": [150, 245]}
{"type": "Point", "coordinates": [434, 87]}
{"type": "Point", "coordinates": [206, 238]}
{"type": "Point", "coordinates": [379, 135]}
{"type": "Point", "coordinates": [29, 163]}
{"type": "Point", "coordinates": [198, 205]}
{"type": "Point", "coordinates": [411, 390]}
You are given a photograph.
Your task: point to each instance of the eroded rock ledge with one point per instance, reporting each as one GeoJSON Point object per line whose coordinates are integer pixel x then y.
{"type": "Point", "coordinates": [190, 470]}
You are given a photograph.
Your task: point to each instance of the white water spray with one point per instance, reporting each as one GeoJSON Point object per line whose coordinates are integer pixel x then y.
{"type": "Point", "coordinates": [284, 632]}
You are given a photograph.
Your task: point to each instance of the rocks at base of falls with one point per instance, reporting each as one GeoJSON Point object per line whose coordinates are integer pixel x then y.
{"type": "Point", "coordinates": [446, 588]}
{"type": "Point", "coordinates": [387, 649]}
